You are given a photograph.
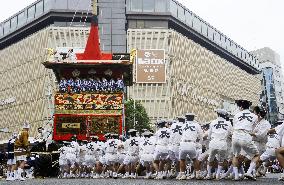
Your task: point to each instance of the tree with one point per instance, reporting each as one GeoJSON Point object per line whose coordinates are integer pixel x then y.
{"type": "Point", "coordinates": [141, 117]}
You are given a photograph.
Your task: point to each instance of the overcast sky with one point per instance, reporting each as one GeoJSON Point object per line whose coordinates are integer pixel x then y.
{"type": "Point", "coordinates": [253, 24]}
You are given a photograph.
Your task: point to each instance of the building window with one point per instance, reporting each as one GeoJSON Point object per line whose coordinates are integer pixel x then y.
{"type": "Point", "coordinates": [223, 41]}
{"type": "Point", "coordinates": [228, 44]}
{"type": "Point", "coordinates": [161, 6]}
{"type": "Point", "coordinates": [6, 27]}
{"type": "Point", "coordinates": [148, 5]}
{"type": "Point", "coordinates": [188, 18]}
{"type": "Point", "coordinates": [48, 5]}
{"type": "Point", "coordinates": [39, 8]}
{"type": "Point", "coordinates": [136, 5]}
{"type": "Point", "coordinates": [22, 18]}
{"type": "Point", "coordinates": [1, 30]}
{"type": "Point", "coordinates": [197, 24]}
{"type": "Point", "coordinates": [217, 37]}
{"type": "Point", "coordinates": [14, 23]}
{"type": "Point", "coordinates": [234, 48]}
{"type": "Point", "coordinates": [204, 28]}
{"type": "Point", "coordinates": [210, 33]}
{"type": "Point", "coordinates": [128, 4]}
{"type": "Point", "coordinates": [181, 15]}
{"type": "Point", "coordinates": [173, 8]}
{"type": "Point", "coordinates": [31, 13]}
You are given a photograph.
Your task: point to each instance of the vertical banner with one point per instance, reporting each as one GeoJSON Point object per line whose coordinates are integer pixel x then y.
{"type": "Point", "coordinates": [150, 66]}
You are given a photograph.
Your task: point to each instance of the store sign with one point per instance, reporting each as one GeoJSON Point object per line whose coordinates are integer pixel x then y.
{"type": "Point", "coordinates": [150, 66]}
{"type": "Point", "coordinates": [190, 91]}
{"type": "Point", "coordinates": [7, 101]}
{"type": "Point", "coordinates": [71, 125]}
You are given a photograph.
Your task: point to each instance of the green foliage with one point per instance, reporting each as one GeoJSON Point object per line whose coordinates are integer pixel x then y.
{"type": "Point", "coordinates": [141, 116]}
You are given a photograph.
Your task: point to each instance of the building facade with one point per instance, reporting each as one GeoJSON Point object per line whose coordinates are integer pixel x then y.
{"type": "Point", "coordinates": [205, 69]}
{"type": "Point", "coordinates": [27, 82]}
{"type": "Point", "coordinates": [197, 80]}
{"type": "Point", "coordinates": [272, 95]}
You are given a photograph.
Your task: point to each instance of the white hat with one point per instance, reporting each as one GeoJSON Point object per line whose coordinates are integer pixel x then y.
{"type": "Point", "coordinates": [147, 133]}
{"type": "Point", "coordinates": [132, 130]}
{"type": "Point", "coordinates": [26, 125]}
{"type": "Point", "coordinates": [222, 111]}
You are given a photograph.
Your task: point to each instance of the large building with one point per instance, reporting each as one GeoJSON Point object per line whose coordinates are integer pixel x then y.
{"type": "Point", "coordinates": [205, 69]}
{"type": "Point", "coordinates": [272, 95]}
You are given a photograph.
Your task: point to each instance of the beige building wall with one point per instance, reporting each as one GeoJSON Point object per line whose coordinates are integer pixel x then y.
{"type": "Point", "coordinates": [24, 78]}
{"type": "Point", "coordinates": [198, 80]}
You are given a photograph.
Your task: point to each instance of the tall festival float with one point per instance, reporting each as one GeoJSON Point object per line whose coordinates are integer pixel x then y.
{"type": "Point", "coordinates": [90, 94]}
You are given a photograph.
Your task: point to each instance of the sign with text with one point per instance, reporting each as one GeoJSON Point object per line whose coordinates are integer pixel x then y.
{"type": "Point", "coordinates": [150, 66]}
{"type": "Point", "coordinates": [70, 125]}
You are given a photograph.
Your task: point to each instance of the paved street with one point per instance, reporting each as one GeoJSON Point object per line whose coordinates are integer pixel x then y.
{"type": "Point", "coordinates": [271, 179]}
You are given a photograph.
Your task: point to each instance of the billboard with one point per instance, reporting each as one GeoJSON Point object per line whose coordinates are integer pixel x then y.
{"type": "Point", "coordinates": [150, 66]}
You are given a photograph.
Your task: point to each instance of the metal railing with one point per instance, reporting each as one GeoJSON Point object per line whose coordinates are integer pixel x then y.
{"type": "Point", "coordinates": [38, 9]}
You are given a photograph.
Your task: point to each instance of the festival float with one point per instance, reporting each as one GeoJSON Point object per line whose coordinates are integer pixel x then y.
{"type": "Point", "coordinates": [91, 89]}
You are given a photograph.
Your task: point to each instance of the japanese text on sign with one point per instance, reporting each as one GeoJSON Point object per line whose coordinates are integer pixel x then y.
{"type": "Point", "coordinates": [150, 66]}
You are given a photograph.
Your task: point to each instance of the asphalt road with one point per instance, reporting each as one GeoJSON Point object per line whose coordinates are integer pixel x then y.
{"type": "Point", "coordinates": [270, 179]}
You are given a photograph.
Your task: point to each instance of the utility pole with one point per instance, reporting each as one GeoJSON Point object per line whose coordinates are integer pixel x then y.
{"type": "Point", "coordinates": [134, 110]}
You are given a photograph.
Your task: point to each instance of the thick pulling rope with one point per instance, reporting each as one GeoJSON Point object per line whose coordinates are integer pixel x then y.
{"type": "Point", "coordinates": [90, 6]}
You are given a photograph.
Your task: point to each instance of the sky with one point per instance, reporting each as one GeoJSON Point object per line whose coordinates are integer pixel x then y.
{"type": "Point", "coordinates": [253, 24]}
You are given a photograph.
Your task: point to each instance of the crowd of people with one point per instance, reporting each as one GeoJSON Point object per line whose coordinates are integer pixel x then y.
{"type": "Point", "coordinates": [228, 148]}
{"type": "Point", "coordinates": [182, 149]}
{"type": "Point", "coordinates": [79, 85]}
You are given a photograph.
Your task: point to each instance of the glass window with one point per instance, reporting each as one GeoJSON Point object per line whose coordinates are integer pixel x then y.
{"type": "Point", "coordinates": [236, 50]}
{"type": "Point", "coordinates": [39, 8]}
{"type": "Point", "coordinates": [136, 5]}
{"type": "Point", "coordinates": [217, 37]}
{"type": "Point", "coordinates": [197, 24]}
{"type": "Point", "coordinates": [6, 27]}
{"type": "Point", "coordinates": [173, 8]}
{"type": "Point", "coordinates": [148, 5]}
{"type": "Point", "coordinates": [188, 18]}
{"type": "Point", "coordinates": [127, 5]}
{"type": "Point", "coordinates": [161, 6]}
{"type": "Point", "coordinates": [204, 28]}
{"type": "Point", "coordinates": [222, 40]}
{"type": "Point", "coordinates": [31, 13]}
{"type": "Point", "coordinates": [228, 45]}
{"type": "Point", "coordinates": [181, 15]}
{"type": "Point", "coordinates": [22, 18]}
{"type": "Point", "coordinates": [48, 5]}
{"type": "Point", "coordinates": [1, 30]}
{"type": "Point", "coordinates": [14, 23]}
{"type": "Point", "coordinates": [210, 33]}
{"type": "Point", "coordinates": [242, 54]}
{"type": "Point", "coordinates": [233, 46]}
